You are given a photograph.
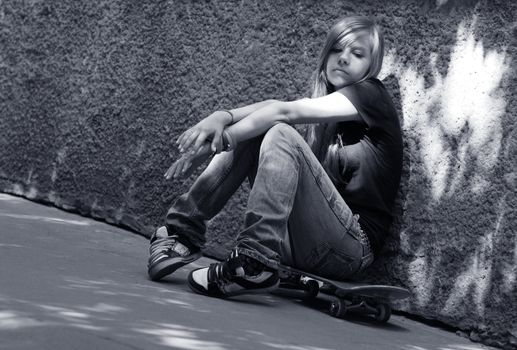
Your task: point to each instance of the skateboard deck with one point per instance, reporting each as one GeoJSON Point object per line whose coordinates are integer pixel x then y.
{"type": "Point", "coordinates": [347, 296]}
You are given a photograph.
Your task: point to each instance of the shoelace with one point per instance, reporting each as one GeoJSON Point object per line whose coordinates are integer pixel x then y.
{"type": "Point", "coordinates": [223, 272]}
{"type": "Point", "coordinates": [163, 243]}
{"type": "Point", "coordinates": [166, 245]}
{"type": "Point", "coordinates": [168, 248]}
{"type": "Point", "coordinates": [176, 246]}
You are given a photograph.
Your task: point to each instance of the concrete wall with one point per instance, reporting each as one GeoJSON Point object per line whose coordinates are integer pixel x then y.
{"type": "Point", "coordinates": [93, 95]}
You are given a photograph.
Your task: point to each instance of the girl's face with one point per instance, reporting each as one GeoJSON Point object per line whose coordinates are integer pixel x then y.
{"type": "Point", "coordinates": [349, 64]}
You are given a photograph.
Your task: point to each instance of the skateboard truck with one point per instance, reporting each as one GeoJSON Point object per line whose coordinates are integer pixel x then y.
{"type": "Point", "coordinates": [346, 296]}
{"type": "Point", "coordinates": [340, 307]}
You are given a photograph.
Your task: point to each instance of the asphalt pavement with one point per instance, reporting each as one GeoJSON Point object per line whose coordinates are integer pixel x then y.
{"type": "Point", "coordinates": [70, 282]}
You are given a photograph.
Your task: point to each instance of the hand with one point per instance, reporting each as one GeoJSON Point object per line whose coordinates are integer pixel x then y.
{"type": "Point", "coordinates": [188, 162]}
{"type": "Point", "coordinates": [209, 129]}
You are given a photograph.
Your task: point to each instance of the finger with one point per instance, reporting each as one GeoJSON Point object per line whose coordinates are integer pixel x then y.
{"type": "Point", "coordinates": [213, 144]}
{"type": "Point", "coordinates": [205, 148]}
{"type": "Point", "coordinates": [186, 166]}
{"type": "Point", "coordinates": [183, 135]}
{"type": "Point", "coordinates": [188, 140]}
{"type": "Point", "coordinates": [217, 144]}
{"type": "Point", "coordinates": [170, 171]}
{"type": "Point", "coordinates": [174, 168]}
{"type": "Point", "coordinates": [195, 162]}
{"type": "Point", "coordinates": [177, 168]}
{"type": "Point", "coordinates": [199, 142]}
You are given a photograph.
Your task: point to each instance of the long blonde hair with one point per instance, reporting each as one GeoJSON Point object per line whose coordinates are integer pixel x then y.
{"type": "Point", "coordinates": [322, 137]}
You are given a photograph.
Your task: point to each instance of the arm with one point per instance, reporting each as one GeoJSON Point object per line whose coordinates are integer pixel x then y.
{"type": "Point", "coordinates": [331, 108]}
{"type": "Point", "coordinates": [242, 112]}
{"type": "Point", "coordinates": [211, 127]}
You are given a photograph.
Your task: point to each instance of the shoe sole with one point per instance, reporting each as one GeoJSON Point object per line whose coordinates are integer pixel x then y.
{"type": "Point", "coordinates": [168, 266]}
{"type": "Point", "coordinates": [200, 290]}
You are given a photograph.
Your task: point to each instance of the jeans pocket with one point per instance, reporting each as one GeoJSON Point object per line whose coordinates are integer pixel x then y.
{"type": "Point", "coordinates": [329, 262]}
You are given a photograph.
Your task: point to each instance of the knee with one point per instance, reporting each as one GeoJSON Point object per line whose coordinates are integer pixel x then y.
{"type": "Point", "coordinates": [280, 133]}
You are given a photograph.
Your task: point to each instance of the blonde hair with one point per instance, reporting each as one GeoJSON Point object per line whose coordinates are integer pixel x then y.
{"type": "Point", "coordinates": [321, 137]}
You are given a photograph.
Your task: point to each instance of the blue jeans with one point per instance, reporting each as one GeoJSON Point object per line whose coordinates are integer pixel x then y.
{"type": "Point", "coordinates": [295, 215]}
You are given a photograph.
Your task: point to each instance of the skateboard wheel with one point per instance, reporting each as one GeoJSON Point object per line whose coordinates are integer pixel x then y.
{"type": "Point", "coordinates": [337, 308]}
{"type": "Point", "coordinates": [311, 289]}
{"type": "Point", "coordinates": [383, 313]}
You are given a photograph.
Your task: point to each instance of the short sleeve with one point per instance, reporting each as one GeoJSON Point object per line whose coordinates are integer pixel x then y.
{"type": "Point", "coordinates": [368, 99]}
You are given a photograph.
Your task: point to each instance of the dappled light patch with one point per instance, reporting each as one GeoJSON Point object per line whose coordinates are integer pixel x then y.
{"type": "Point", "coordinates": [456, 121]}
{"type": "Point", "coordinates": [143, 292]}
{"type": "Point", "coordinates": [510, 272]}
{"type": "Point", "coordinates": [421, 271]}
{"type": "Point", "coordinates": [68, 314]}
{"type": "Point", "coordinates": [46, 219]}
{"type": "Point", "coordinates": [104, 308]}
{"type": "Point", "coordinates": [478, 276]}
{"type": "Point", "coordinates": [11, 320]}
{"type": "Point", "coordinates": [50, 315]}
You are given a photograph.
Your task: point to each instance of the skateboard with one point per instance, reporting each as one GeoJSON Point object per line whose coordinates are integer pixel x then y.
{"type": "Point", "coordinates": [346, 296]}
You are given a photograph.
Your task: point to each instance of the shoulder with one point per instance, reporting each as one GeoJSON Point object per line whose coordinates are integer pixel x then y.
{"type": "Point", "coordinates": [372, 101]}
{"type": "Point", "coordinates": [372, 85]}
{"type": "Point", "coordinates": [366, 92]}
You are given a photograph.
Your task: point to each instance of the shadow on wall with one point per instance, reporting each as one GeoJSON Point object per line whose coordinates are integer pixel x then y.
{"type": "Point", "coordinates": [452, 222]}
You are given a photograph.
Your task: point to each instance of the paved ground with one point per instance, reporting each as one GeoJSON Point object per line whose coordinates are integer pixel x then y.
{"type": "Point", "coordinates": [68, 282]}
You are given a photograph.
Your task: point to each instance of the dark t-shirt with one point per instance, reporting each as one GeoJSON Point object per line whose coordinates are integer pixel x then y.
{"type": "Point", "coordinates": [371, 160]}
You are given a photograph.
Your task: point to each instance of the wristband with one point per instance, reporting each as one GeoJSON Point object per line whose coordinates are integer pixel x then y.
{"type": "Point", "coordinates": [230, 113]}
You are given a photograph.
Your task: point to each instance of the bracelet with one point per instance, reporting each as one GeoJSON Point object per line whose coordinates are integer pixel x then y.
{"type": "Point", "coordinates": [230, 113]}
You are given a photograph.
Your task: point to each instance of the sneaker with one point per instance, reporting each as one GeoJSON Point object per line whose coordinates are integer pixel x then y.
{"type": "Point", "coordinates": [237, 275]}
{"type": "Point", "coordinates": [167, 254]}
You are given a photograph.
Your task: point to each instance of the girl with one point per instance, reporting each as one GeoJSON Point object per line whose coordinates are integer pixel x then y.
{"type": "Point", "coordinates": [322, 206]}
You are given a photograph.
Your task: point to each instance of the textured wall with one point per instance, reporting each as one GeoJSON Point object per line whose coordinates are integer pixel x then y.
{"type": "Point", "coordinates": [93, 94]}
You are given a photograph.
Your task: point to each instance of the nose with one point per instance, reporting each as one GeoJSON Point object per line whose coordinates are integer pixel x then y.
{"type": "Point", "coordinates": [344, 57]}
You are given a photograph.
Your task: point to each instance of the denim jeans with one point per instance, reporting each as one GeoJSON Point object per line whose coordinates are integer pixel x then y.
{"type": "Point", "coordinates": [294, 216]}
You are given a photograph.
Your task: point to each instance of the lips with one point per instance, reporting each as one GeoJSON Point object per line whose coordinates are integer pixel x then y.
{"type": "Point", "coordinates": [340, 70]}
